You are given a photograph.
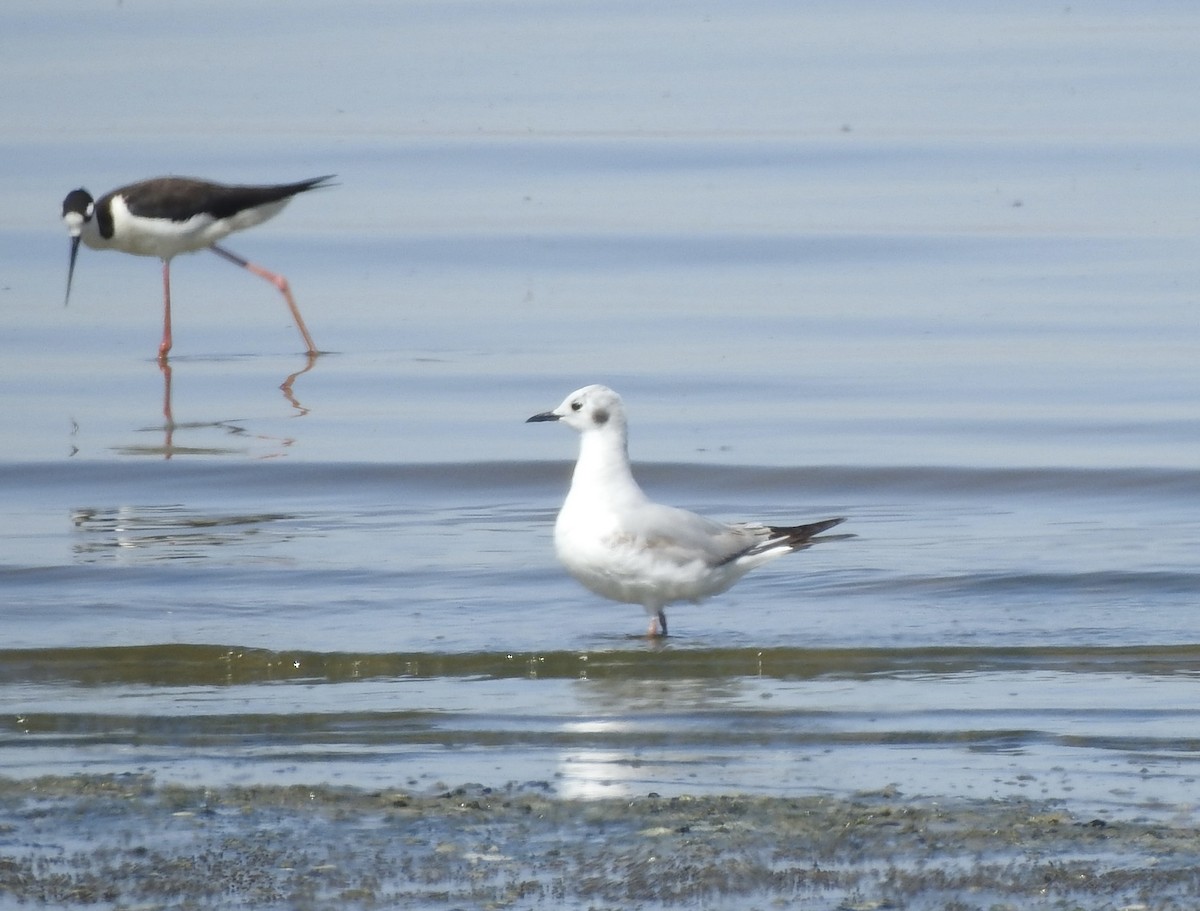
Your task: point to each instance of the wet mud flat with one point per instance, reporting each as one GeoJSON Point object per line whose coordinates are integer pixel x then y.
{"type": "Point", "coordinates": [130, 842]}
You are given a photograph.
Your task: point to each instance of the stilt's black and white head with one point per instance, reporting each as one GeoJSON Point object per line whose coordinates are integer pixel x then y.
{"type": "Point", "coordinates": [78, 209]}
{"type": "Point", "coordinates": [590, 408]}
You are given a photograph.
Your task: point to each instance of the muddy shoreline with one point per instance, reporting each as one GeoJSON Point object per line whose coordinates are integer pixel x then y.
{"type": "Point", "coordinates": [129, 842]}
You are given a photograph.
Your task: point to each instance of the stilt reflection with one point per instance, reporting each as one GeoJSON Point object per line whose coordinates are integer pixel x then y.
{"type": "Point", "coordinates": [286, 385]}
{"type": "Point", "coordinates": [182, 437]}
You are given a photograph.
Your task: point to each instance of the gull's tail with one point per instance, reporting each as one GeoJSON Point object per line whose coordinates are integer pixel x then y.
{"type": "Point", "coordinates": [783, 539]}
{"type": "Point", "coordinates": [798, 537]}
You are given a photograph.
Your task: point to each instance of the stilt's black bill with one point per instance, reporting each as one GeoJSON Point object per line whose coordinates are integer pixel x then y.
{"type": "Point", "coordinates": [71, 268]}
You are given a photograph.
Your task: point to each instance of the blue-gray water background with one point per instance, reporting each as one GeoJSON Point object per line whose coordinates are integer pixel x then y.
{"type": "Point", "coordinates": [933, 267]}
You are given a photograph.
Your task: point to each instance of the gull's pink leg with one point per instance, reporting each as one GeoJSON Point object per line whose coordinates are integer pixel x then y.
{"type": "Point", "coordinates": [279, 282]}
{"type": "Point", "coordinates": [165, 347]}
{"type": "Point", "coordinates": [658, 625]}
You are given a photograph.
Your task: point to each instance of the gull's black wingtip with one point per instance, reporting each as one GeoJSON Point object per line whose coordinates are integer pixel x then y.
{"type": "Point", "coordinates": [801, 536]}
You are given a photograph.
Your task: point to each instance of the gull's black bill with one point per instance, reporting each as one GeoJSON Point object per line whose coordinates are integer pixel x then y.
{"type": "Point", "coordinates": [544, 416]}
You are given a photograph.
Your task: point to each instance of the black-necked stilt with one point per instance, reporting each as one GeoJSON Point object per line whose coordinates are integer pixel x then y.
{"type": "Point", "coordinates": [167, 216]}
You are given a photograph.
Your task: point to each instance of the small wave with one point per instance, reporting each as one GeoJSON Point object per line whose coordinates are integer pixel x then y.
{"type": "Point", "coordinates": [458, 478]}
{"type": "Point", "coordinates": [1107, 581]}
{"type": "Point", "coordinates": [219, 665]}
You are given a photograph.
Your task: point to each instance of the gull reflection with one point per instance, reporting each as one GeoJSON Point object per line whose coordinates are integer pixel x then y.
{"type": "Point", "coordinates": [634, 733]}
{"type": "Point", "coordinates": [591, 774]}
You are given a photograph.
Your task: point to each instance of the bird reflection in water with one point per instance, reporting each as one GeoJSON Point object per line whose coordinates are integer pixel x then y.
{"type": "Point", "coordinates": [286, 385]}
{"type": "Point", "coordinates": [236, 429]}
{"type": "Point", "coordinates": [132, 534]}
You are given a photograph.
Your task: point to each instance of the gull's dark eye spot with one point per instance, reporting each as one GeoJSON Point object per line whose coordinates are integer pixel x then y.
{"type": "Point", "coordinates": [575, 406]}
{"type": "Point", "coordinates": [600, 417]}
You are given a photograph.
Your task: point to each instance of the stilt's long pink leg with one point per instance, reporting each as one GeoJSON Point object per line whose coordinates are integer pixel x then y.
{"type": "Point", "coordinates": [165, 347]}
{"type": "Point", "coordinates": [279, 282]}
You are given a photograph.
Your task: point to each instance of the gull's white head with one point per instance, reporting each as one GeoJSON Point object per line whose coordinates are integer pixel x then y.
{"type": "Point", "coordinates": [591, 408]}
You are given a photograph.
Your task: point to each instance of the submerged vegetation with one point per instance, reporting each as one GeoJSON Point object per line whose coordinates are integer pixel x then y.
{"type": "Point", "coordinates": [127, 841]}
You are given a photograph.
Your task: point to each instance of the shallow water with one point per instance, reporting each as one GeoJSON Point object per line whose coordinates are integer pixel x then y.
{"type": "Point", "coordinates": [385, 623]}
{"type": "Point", "coordinates": [933, 273]}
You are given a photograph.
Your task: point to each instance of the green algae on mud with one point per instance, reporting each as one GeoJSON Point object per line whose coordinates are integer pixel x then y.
{"type": "Point", "coordinates": [126, 840]}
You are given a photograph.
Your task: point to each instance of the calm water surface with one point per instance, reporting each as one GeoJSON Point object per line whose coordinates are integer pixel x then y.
{"type": "Point", "coordinates": [936, 273]}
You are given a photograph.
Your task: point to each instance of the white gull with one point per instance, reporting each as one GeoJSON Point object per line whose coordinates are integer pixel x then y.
{"type": "Point", "coordinates": [620, 544]}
